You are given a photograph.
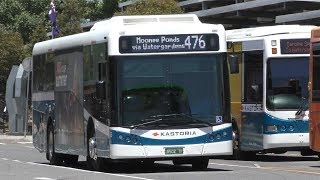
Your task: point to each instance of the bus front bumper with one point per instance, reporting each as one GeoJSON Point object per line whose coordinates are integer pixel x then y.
{"type": "Point", "coordinates": [285, 140]}
{"type": "Point", "coordinates": [119, 151]}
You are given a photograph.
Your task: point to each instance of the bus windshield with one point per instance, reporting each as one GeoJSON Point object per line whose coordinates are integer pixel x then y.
{"type": "Point", "coordinates": [287, 89]}
{"type": "Point", "coordinates": [152, 87]}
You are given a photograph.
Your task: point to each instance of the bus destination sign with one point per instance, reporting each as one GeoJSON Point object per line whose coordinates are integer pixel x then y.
{"type": "Point", "coordinates": [295, 46]}
{"type": "Point", "coordinates": [169, 43]}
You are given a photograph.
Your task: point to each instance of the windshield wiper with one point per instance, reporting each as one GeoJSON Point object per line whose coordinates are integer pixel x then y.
{"type": "Point", "coordinates": [302, 106]}
{"type": "Point", "coordinates": [148, 121]}
{"type": "Point", "coordinates": [184, 115]}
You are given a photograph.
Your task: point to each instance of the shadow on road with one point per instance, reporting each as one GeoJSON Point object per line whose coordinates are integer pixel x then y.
{"type": "Point", "coordinates": [124, 168]}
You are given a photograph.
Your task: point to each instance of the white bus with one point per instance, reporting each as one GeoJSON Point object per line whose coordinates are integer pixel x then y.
{"type": "Point", "coordinates": [269, 94]}
{"type": "Point", "coordinates": [140, 88]}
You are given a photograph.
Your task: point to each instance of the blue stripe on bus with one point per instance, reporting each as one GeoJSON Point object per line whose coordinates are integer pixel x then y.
{"type": "Point", "coordinates": [285, 125]}
{"type": "Point", "coordinates": [138, 140]}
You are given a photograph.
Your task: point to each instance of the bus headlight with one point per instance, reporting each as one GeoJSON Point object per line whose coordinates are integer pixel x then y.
{"type": "Point", "coordinates": [283, 128]}
{"type": "Point", "coordinates": [128, 139]}
{"type": "Point", "coordinates": [135, 140]}
{"type": "Point", "coordinates": [120, 137]}
{"type": "Point", "coordinates": [291, 128]}
{"type": "Point", "coordinates": [218, 136]}
{"type": "Point", "coordinates": [224, 133]}
{"type": "Point", "coordinates": [211, 137]}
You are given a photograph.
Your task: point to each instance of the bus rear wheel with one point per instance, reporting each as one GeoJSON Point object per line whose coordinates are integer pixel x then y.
{"type": "Point", "coordinates": [200, 164]}
{"type": "Point", "coordinates": [52, 157]}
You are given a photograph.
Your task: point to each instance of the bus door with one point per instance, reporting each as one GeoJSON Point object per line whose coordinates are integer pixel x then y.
{"type": "Point", "coordinates": [315, 98]}
{"type": "Point", "coordinates": [234, 51]}
{"type": "Point", "coordinates": [251, 138]}
{"type": "Point", "coordinates": [97, 93]}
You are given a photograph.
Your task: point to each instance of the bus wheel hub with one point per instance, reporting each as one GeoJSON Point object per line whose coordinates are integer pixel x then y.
{"type": "Point", "coordinates": [93, 148]}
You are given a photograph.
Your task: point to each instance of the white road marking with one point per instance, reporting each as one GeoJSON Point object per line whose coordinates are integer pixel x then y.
{"type": "Point", "coordinates": [17, 161]}
{"type": "Point", "coordinates": [5, 159]}
{"type": "Point", "coordinates": [257, 165]}
{"type": "Point", "coordinates": [2, 143]}
{"type": "Point", "coordinates": [233, 165]}
{"type": "Point", "coordinates": [24, 142]}
{"type": "Point", "coordinates": [95, 172]}
{"type": "Point", "coordinates": [31, 147]}
{"type": "Point", "coordinates": [42, 178]}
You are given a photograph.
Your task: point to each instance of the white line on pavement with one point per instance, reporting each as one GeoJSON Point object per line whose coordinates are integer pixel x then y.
{"type": "Point", "coordinates": [2, 143]}
{"type": "Point", "coordinates": [81, 170]}
{"type": "Point", "coordinates": [257, 165]}
{"type": "Point", "coordinates": [233, 165]}
{"type": "Point", "coordinates": [42, 178]}
{"type": "Point", "coordinates": [31, 147]}
{"type": "Point", "coordinates": [17, 161]}
{"type": "Point", "coordinates": [24, 142]}
{"type": "Point", "coordinates": [5, 159]}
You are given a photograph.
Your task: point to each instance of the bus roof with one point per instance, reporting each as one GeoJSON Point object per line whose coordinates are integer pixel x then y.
{"type": "Point", "coordinates": [256, 32]}
{"type": "Point", "coordinates": [100, 30]}
{"type": "Point", "coordinates": [136, 20]}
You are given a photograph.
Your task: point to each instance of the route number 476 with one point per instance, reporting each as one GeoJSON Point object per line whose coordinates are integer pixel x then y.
{"type": "Point", "coordinates": [194, 42]}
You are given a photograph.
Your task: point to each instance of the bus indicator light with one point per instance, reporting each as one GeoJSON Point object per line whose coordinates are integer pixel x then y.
{"type": "Point", "coordinates": [273, 42]}
{"type": "Point", "coordinates": [272, 128]}
{"type": "Point", "coordinates": [274, 51]}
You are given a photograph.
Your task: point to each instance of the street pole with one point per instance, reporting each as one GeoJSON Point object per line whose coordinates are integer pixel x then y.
{"type": "Point", "coordinates": [27, 103]}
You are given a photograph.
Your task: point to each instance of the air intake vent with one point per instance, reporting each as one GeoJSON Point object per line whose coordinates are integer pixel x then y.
{"type": "Point", "coordinates": [139, 20]}
{"type": "Point", "coordinates": [176, 19]}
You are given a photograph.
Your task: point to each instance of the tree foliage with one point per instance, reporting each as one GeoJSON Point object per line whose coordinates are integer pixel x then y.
{"type": "Point", "coordinates": [69, 15]}
{"type": "Point", "coordinates": [11, 53]}
{"type": "Point", "coordinates": [25, 22]}
{"type": "Point", "coordinates": [150, 7]}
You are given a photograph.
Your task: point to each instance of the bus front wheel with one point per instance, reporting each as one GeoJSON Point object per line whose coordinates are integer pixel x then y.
{"type": "Point", "coordinates": [200, 164]}
{"type": "Point", "coordinates": [93, 161]}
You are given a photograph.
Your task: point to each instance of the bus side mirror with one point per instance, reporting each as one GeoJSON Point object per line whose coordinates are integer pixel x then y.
{"type": "Point", "coordinates": [256, 91]}
{"type": "Point", "coordinates": [234, 64]}
{"type": "Point", "coordinates": [101, 90]}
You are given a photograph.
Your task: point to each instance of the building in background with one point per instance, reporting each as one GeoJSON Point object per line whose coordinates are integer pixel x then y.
{"type": "Point", "coordinates": [250, 13]}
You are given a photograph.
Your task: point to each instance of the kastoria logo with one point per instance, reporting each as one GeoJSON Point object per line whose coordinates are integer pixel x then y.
{"type": "Point", "coordinates": [175, 133]}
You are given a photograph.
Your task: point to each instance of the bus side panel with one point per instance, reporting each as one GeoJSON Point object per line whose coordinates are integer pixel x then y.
{"type": "Point", "coordinates": [69, 136]}
{"type": "Point", "coordinates": [40, 121]}
{"type": "Point", "coordinates": [315, 126]}
{"type": "Point", "coordinates": [252, 131]}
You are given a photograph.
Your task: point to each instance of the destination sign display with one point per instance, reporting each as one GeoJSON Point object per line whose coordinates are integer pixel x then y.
{"type": "Point", "coordinates": [169, 43]}
{"type": "Point", "coordinates": [295, 46]}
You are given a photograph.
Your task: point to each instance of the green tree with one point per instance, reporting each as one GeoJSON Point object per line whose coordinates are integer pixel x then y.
{"type": "Point", "coordinates": [97, 9]}
{"type": "Point", "coordinates": [69, 17]}
{"type": "Point", "coordinates": [150, 7]}
{"type": "Point", "coordinates": [11, 53]}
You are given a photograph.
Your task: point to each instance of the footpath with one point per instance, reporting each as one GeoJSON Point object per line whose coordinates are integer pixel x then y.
{"type": "Point", "coordinates": [6, 138]}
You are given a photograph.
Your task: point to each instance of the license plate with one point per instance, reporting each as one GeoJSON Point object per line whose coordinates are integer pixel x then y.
{"type": "Point", "coordinates": [175, 150]}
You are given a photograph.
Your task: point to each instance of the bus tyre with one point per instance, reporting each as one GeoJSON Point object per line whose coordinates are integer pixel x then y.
{"type": "Point", "coordinates": [53, 158]}
{"type": "Point", "coordinates": [236, 145]}
{"type": "Point", "coordinates": [93, 161]}
{"type": "Point", "coordinates": [177, 162]}
{"type": "Point", "coordinates": [71, 160]}
{"type": "Point", "coordinates": [247, 155]}
{"type": "Point", "coordinates": [199, 164]}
